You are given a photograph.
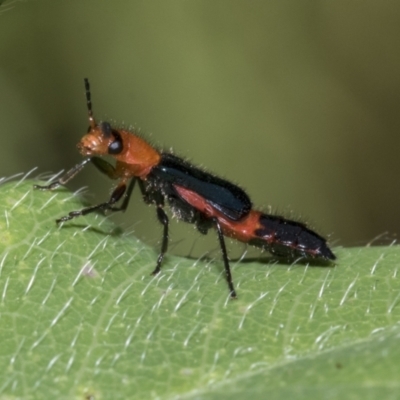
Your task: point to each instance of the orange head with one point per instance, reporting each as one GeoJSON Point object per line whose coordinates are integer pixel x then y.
{"type": "Point", "coordinates": [101, 140]}
{"type": "Point", "coordinates": [127, 148]}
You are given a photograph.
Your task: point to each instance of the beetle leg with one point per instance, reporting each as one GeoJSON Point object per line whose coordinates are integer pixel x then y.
{"type": "Point", "coordinates": [228, 274]}
{"type": "Point", "coordinates": [155, 197]}
{"type": "Point", "coordinates": [102, 165]}
{"type": "Point", "coordinates": [127, 197]}
{"type": "Point", "coordinates": [65, 178]}
{"type": "Point", "coordinates": [115, 196]}
{"type": "Point", "coordinates": [163, 218]}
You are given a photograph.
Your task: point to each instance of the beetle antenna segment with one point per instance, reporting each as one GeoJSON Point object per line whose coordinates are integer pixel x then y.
{"type": "Point", "coordinates": [89, 103]}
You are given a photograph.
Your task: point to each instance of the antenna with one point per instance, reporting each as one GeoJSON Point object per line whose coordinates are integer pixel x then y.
{"type": "Point", "coordinates": [89, 104]}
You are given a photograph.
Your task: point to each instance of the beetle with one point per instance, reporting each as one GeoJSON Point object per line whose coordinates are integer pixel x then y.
{"type": "Point", "coordinates": [193, 195]}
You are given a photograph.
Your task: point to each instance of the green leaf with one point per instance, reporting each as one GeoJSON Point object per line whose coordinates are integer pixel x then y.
{"type": "Point", "coordinates": [81, 316]}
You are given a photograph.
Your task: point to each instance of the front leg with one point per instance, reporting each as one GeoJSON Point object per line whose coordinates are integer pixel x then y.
{"type": "Point", "coordinates": [65, 178]}
{"type": "Point", "coordinates": [102, 165]}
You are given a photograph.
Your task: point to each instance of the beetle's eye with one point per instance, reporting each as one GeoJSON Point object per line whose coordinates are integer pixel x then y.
{"type": "Point", "coordinates": [116, 146]}
{"type": "Point", "coordinates": [105, 129]}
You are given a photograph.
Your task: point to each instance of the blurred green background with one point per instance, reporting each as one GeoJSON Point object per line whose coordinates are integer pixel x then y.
{"type": "Point", "coordinates": [296, 101]}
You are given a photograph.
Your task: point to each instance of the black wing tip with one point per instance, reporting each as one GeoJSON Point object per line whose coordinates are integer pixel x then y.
{"type": "Point", "coordinates": [327, 254]}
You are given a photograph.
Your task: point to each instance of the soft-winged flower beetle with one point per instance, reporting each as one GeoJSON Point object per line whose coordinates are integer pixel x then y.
{"type": "Point", "coordinates": [194, 196]}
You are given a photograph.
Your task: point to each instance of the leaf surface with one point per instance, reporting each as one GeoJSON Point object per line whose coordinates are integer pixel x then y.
{"type": "Point", "coordinates": [81, 316]}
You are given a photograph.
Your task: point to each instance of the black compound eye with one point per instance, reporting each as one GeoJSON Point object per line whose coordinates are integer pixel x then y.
{"type": "Point", "coordinates": [106, 129]}
{"type": "Point", "coordinates": [116, 146]}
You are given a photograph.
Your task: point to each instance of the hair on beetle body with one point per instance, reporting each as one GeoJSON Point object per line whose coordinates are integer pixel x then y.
{"type": "Point", "coordinates": [193, 195]}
